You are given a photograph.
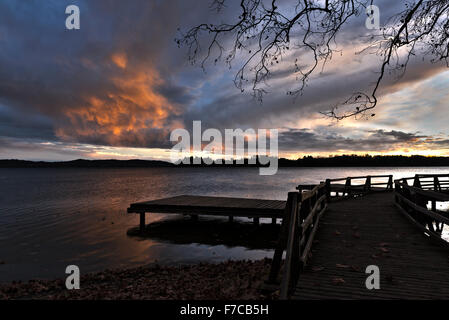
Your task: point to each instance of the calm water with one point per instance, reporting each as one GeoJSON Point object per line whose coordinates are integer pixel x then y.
{"type": "Point", "coordinates": [50, 218]}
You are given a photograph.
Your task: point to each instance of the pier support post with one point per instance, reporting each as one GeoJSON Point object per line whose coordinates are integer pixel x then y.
{"type": "Point", "coordinates": [142, 222]}
{"type": "Point", "coordinates": [194, 217]}
{"type": "Point", "coordinates": [231, 219]}
{"type": "Point", "coordinates": [273, 221]}
{"type": "Point", "coordinates": [256, 221]}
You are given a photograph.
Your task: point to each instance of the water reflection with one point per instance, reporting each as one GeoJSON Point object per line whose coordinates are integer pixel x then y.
{"type": "Point", "coordinates": [212, 232]}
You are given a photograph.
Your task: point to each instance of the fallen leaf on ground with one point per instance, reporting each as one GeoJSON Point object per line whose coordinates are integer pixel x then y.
{"type": "Point", "coordinates": [317, 269]}
{"type": "Point", "coordinates": [338, 281]}
{"type": "Point", "coordinates": [343, 266]}
{"type": "Point", "coordinates": [356, 268]}
{"type": "Point", "coordinates": [337, 232]}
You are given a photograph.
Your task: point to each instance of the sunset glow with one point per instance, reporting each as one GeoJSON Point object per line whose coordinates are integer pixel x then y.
{"type": "Point", "coordinates": [129, 92]}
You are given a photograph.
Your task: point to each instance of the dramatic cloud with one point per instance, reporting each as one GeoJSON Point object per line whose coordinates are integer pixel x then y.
{"type": "Point", "coordinates": [120, 84]}
{"type": "Point", "coordinates": [320, 141]}
{"type": "Point", "coordinates": [101, 84]}
{"type": "Point", "coordinates": [133, 113]}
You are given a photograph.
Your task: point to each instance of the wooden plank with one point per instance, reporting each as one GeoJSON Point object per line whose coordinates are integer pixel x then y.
{"type": "Point", "coordinates": [187, 204]}
{"type": "Point", "coordinates": [369, 230]}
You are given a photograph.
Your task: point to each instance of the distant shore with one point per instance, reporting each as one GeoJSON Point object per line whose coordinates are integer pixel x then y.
{"type": "Point", "coordinates": [231, 280]}
{"type": "Point", "coordinates": [329, 162]}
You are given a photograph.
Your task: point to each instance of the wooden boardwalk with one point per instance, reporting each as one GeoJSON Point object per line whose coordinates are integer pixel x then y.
{"type": "Point", "coordinates": [370, 230]}
{"type": "Point", "coordinates": [331, 232]}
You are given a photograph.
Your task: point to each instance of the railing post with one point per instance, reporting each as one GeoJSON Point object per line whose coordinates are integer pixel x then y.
{"type": "Point", "coordinates": [436, 184]}
{"type": "Point", "coordinates": [390, 182]}
{"type": "Point", "coordinates": [291, 256]}
{"type": "Point", "coordinates": [347, 188]}
{"type": "Point", "coordinates": [277, 257]}
{"type": "Point", "coordinates": [396, 192]}
{"type": "Point", "coordinates": [328, 190]}
{"type": "Point", "coordinates": [417, 182]}
{"type": "Point", "coordinates": [368, 183]}
{"type": "Point", "coordinates": [296, 263]}
{"type": "Point", "coordinates": [435, 188]}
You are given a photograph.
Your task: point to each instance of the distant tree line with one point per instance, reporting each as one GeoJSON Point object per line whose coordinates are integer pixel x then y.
{"type": "Point", "coordinates": [81, 163]}
{"type": "Point", "coordinates": [308, 161]}
{"type": "Point", "coordinates": [367, 161]}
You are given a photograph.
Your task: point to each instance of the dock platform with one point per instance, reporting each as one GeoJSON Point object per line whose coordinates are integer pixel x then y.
{"type": "Point", "coordinates": [214, 206]}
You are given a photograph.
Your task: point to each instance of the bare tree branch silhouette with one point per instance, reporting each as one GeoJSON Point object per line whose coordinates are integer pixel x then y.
{"type": "Point", "coordinates": [265, 30]}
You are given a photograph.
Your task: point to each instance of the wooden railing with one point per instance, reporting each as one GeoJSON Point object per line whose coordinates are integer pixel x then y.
{"type": "Point", "coordinates": [305, 208]}
{"type": "Point", "coordinates": [413, 196]}
{"type": "Point", "coordinates": [301, 218]}
{"type": "Point", "coordinates": [435, 182]}
{"type": "Point", "coordinates": [353, 186]}
{"type": "Point", "coordinates": [302, 215]}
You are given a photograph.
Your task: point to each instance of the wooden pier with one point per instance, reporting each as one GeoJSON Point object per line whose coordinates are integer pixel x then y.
{"type": "Point", "coordinates": [214, 206]}
{"type": "Point", "coordinates": [331, 232]}
{"type": "Point", "coordinates": [399, 232]}
{"type": "Point", "coordinates": [370, 230]}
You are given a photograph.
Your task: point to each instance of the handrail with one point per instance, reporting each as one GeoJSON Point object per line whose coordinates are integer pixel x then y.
{"type": "Point", "coordinates": [412, 200]}
{"type": "Point", "coordinates": [350, 189]}
{"type": "Point", "coordinates": [300, 223]}
{"type": "Point", "coordinates": [432, 175]}
{"type": "Point", "coordinates": [360, 177]}
{"type": "Point", "coordinates": [424, 176]}
{"type": "Point", "coordinates": [426, 187]}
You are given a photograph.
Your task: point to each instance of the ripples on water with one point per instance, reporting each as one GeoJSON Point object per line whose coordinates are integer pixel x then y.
{"type": "Point", "coordinates": [50, 218]}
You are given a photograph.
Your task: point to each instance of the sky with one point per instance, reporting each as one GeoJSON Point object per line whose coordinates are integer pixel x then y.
{"type": "Point", "coordinates": [118, 86]}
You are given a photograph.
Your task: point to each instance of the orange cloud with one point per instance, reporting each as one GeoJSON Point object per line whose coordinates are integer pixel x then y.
{"type": "Point", "coordinates": [133, 113]}
{"type": "Point", "coordinates": [120, 60]}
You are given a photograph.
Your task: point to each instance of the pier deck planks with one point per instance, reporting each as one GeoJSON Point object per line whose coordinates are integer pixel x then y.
{"type": "Point", "coordinates": [351, 236]}
{"type": "Point", "coordinates": [222, 206]}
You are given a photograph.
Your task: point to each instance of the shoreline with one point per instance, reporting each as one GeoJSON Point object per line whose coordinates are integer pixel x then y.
{"type": "Point", "coordinates": [230, 280]}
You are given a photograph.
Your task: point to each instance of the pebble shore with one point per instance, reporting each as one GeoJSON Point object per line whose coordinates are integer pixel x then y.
{"type": "Point", "coordinates": [236, 280]}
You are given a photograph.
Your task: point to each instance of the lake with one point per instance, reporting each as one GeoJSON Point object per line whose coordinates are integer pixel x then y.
{"type": "Point", "coordinates": [51, 218]}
